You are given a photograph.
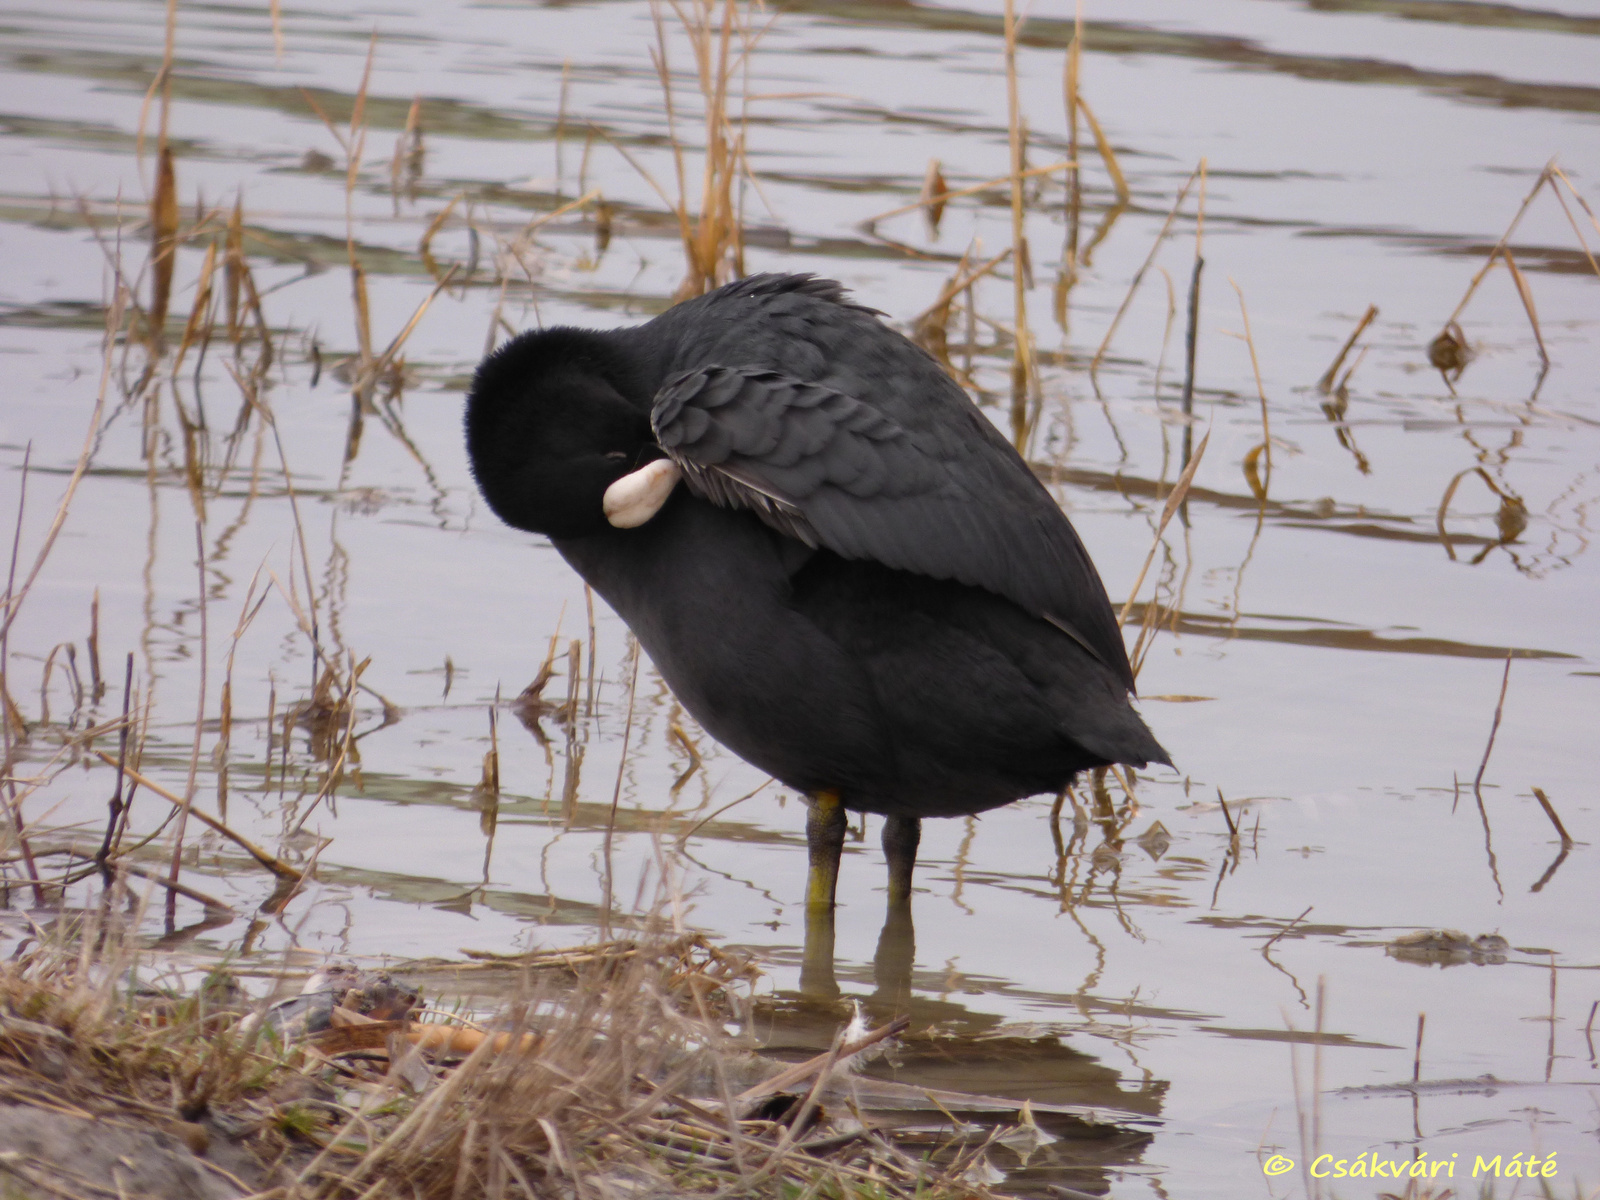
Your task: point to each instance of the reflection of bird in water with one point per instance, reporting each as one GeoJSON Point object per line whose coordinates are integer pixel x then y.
{"type": "Point", "coordinates": [859, 588]}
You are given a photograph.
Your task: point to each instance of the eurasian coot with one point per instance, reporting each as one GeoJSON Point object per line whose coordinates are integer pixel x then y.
{"type": "Point", "coordinates": [839, 565]}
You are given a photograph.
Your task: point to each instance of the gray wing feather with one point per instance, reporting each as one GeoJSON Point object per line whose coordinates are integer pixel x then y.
{"type": "Point", "coordinates": [832, 471]}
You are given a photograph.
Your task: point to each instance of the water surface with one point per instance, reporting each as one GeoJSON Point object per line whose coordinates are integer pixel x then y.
{"type": "Point", "coordinates": [1327, 662]}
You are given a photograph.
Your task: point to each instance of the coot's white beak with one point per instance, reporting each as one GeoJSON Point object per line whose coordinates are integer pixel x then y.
{"type": "Point", "coordinates": [634, 499]}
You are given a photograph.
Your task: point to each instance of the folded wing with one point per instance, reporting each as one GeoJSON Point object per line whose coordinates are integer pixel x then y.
{"type": "Point", "coordinates": [951, 502]}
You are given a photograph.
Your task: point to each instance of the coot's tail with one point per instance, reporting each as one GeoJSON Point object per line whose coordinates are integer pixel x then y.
{"type": "Point", "coordinates": [1107, 726]}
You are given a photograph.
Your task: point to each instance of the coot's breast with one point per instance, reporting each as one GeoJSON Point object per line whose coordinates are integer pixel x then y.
{"type": "Point", "coordinates": [906, 694]}
{"type": "Point", "coordinates": [706, 591]}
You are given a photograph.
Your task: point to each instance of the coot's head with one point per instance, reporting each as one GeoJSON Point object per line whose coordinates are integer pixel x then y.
{"type": "Point", "coordinates": [555, 419]}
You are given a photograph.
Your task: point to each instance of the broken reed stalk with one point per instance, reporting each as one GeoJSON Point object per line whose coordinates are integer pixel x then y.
{"type": "Point", "coordinates": [1259, 481]}
{"type": "Point", "coordinates": [934, 190]}
{"type": "Point", "coordinates": [1102, 144]}
{"type": "Point", "coordinates": [164, 195]}
{"type": "Point", "coordinates": [960, 282]}
{"type": "Point", "coordinates": [354, 147]}
{"type": "Point", "coordinates": [1174, 501]}
{"type": "Point", "coordinates": [1325, 384]}
{"type": "Point", "coordinates": [1138, 276]}
{"type": "Point", "coordinates": [588, 696]}
{"type": "Point", "coordinates": [1448, 351]}
{"type": "Point", "coordinates": [346, 752]}
{"type": "Point", "coordinates": [616, 796]}
{"type": "Point", "coordinates": [407, 149]}
{"type": "Point", "coordinates": [199, 322]}
{"type": "Point", "coordinates": [219, 752]}
{"type": "Point", "coordinates": [163, 245]}
{"type": "Point", "coordinates": [1573, 221]}
{"type": "Point", "coordinates": [1499, 708]}
{"type": "Point", "coordinates": [1192, 331]}
{"type": "Point", "coordinates": [803, 1071]}
{"type": "Point", "coordinates": [93, 644]}
{"type": "Point", "coordinates": [1545, 176]}
{"type": "Point", "coordinates": [1527, 306]}
{"type": "Point", "coordinates": [116, 805]}
{"type": "Point", "coordinates": [1549, 810]}
{"type": "Point", "coordinates": [1227, 817]}
{"type": "Point", "coordinates": [683, 838]}
{"type": "Point", "coordinates": [970, 190]}
{"type": "Point", "coordinates": [1074, 181]}
{"type": "Point", "coordinates": [271, 862]}
{"type": "Point", "coordinates": [199, 729]}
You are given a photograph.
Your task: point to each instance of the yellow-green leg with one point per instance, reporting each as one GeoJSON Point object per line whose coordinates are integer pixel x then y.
{"type": "Point", "coordinates": [825, 826]}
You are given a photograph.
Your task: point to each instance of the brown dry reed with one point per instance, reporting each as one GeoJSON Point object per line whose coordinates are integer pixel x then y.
{"type": "Point", "coordinates": [581, 1087]}
{"type": "Point", "coordinates": [721, 37]}
{"type": "Point", "coordinates": [1449, 352]}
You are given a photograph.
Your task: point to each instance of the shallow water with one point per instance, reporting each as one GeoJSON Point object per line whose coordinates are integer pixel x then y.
{"type": "Point", "coordinates": [1330, 664]}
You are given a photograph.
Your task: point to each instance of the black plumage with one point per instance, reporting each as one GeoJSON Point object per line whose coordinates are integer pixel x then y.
{"type": "Point", "coordinates": [859, 586]}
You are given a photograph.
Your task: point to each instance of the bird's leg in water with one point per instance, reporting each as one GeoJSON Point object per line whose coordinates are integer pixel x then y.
{"type": "Point", "coordinates": [816, 967]}
{"type": "Point", "coordinates": [825, 826]}
{"type": "Point", "coordinates": [897, 944]}
{"type": "Point", "coordinates": [901, 835]}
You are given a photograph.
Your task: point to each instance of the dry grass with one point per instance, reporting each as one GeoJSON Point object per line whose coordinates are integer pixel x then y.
{"type": "Point", "coordinates": [1449, 352]}
{"type": "Point", "coordinates": [721, 36]}
{"type": "Point", "coordinates": [609, 1073]}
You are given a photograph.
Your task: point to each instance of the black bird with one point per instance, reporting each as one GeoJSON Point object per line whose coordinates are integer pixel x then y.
{"type": "Point", "coordinates": [841, 568]}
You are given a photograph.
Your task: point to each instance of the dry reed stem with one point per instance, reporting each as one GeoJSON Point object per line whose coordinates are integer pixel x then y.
{"type": "Point", "coordinates": [200, 310]}
{"type": "Point", "coordinates": [1578, 196]}
{"type": "Point", "coordinates": [1138, 276]}
{"type": "Point", "coordinates": [1494, 728]}
{"type": "Point", "coordinates": [712, 237]}
{"type": "Point", "coordinates": [1174, 500]}
{"type": "Point", "coordinates": [271, 862]}
{"type": "Point", "coordinates": [1325, 384]}
{"type": "Point", "coordinates": [1547, 175]}
{"type": "Point", "coordinates": [199, 724]}
{"type": "Point", "coordinates": [1109, 156]}
{"type": "Point", "coordinates": [233, 267]}
{"type": "Point", "coordinates": [1191, 343]}
{"type": "Point", "coordinates": [1179, 491]}
{"type": "Point", "coordinates": [1258, 483]}
{"type": "Point", "coordinates": [970, 189]}
{"type": "Point", "coordinates": [934, 190]}
{"type": "Point", "coordinates": [345, 706]}
{"type": "Point", "coordinates": [1549, 810]}
{"type": "Point", "coordinates": [1071, 75]}
{"type": "Point", "coordinates": [407, 147]}
{"type": "Point", "coordinates": [683, 838]}
{"type": "Point", "coordinates": [958, 284]}
{"type": "Point", "coordinates": [1023, 369]}
{"type": "Point", "coordinates": [1527, 304]}
{"type": "Point", "coordinates": [616, 796]}
{"type": "Point", "coordinates": [15, 597]}
{"type": "Point", "coordinates": [163, 245]}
